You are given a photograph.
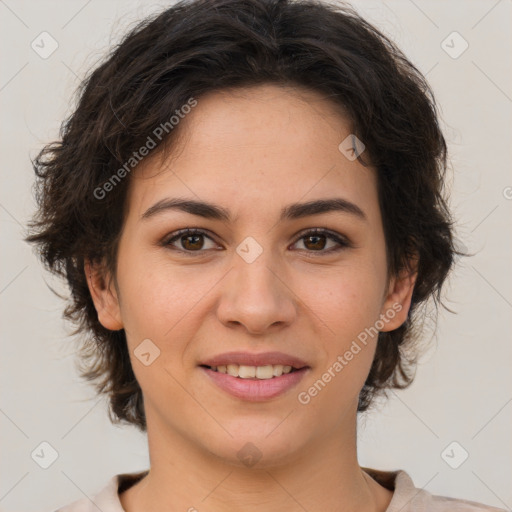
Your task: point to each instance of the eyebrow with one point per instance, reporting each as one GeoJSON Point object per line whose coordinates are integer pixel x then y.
{"type": "Point", "coordinates": [290, 212]}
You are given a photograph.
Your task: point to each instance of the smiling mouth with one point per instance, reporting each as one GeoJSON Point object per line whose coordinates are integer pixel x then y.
{"type": "Point", "coordinates": [266, 372]}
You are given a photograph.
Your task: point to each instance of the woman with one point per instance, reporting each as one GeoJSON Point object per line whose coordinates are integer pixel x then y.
{"type": "Point", "coordinates": [247, 206]}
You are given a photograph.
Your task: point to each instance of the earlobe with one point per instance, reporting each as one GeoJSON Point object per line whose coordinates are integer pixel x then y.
{"type": "Point", "coordinates": [398, 301]}
{"type": "Point", "coordinates": [104, 296]}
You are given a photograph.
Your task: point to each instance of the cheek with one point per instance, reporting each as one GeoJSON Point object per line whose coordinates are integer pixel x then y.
{"type": "Point", "coordinates": [348, 308]}
{"type": "Point", "coordinates": [161, 302]}
{"type": "Point", "coordinates": [347, 300]}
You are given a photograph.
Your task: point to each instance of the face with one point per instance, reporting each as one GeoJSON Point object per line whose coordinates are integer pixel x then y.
{"type": "Point", "coordinates": [255, 281]}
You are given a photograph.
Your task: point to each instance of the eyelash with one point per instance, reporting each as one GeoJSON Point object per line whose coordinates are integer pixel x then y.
{"type": "Point", "coordinates": [343, 243]}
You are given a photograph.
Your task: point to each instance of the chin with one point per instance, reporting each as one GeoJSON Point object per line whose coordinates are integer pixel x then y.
{"type": "Point", "coordinates": [253, 447]}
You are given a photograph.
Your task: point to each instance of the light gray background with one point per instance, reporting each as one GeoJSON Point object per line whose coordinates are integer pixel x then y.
{"type": "Point", "coordinates": [463, 389]}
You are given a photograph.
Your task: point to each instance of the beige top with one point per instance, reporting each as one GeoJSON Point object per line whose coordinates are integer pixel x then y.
{"type": "Point", "coordinates": [406, 497]}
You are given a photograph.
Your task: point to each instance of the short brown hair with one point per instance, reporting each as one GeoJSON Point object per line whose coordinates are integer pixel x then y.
{"type": "Point", "coordinates": [199, 46]}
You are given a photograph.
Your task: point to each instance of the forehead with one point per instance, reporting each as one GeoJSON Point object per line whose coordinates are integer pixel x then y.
{"type": "Point", "coordinates": [253, 146]}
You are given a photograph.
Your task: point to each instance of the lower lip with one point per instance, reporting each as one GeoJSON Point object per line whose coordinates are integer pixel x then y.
{"type": "Point", "coordinates": [255, 390]}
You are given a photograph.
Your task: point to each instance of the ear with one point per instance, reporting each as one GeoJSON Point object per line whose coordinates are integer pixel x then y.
{"type": "Point", "coordinates": [398, 297]}
{"type": "Point", "coordinates": [104, 296]}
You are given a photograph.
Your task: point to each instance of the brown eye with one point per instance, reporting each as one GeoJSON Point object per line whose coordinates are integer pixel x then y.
{"type": "Point", "coordinates": [316, 242]}
{"type": "Point", "coordinates": [318, 239]}
{"type": "Point", "coordinates": [189, 240]}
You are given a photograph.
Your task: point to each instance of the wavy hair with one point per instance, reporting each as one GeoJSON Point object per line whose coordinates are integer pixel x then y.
{"type": "Point", "coordinates": [198, 46]}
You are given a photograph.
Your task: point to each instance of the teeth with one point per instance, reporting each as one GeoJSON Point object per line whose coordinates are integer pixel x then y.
{"type": "Point", "coordinates": [251, 372]}
{"type": "Point", "coordinates": [247, 372]}
{"type": "Point", "coordinates": [232, 369]}
{"type": "Point", "coordinates": [264, 372]}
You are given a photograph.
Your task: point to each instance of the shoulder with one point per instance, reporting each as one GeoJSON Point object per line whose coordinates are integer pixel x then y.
{"type": "Point", "coordinates": [103, 500]}
{"type": "Point", "coordinates": [107, 499]}
{"type": "Point", "coordinates": [408, 498]}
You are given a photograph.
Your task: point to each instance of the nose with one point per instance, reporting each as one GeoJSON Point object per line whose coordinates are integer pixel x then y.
{"type": "Point", "coordinates": [256, 296]}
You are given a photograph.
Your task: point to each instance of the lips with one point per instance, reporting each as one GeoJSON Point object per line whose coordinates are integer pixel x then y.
{"type": "Point", "coordinates": [252, 359]}
{"type": "Point", "coordinates": [255, 390]}
{"type": "Point", "coordinates": [287, 372]}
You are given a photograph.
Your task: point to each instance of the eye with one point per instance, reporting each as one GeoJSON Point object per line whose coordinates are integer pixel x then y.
{"type": "Point", "coordinates": [314, 240]}
{"type": "Point", "coordinates": [191, 240]}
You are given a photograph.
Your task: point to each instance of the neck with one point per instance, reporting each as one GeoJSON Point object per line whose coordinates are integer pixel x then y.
{"type": "Point", "coordinates": [324, 475]}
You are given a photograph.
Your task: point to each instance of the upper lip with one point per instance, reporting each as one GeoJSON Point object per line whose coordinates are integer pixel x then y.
{"type": "Point", "coordinates": [251, 359]}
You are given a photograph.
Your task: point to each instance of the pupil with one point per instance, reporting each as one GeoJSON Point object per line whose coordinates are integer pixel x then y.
{"type": "Point", "coordinates": [188, 246]}
{"type": "Point", "coordinates": [317, 237]}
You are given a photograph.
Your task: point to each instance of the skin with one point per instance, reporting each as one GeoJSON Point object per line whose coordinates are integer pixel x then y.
{"type": "Point", "coordinates": [241, 149]}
